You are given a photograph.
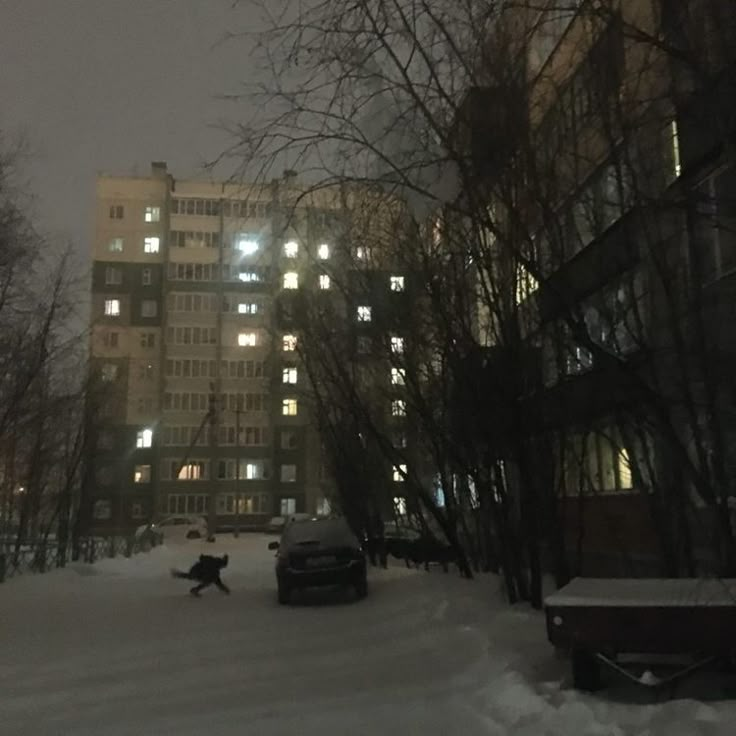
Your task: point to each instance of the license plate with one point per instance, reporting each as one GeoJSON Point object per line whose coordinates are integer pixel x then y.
{"type": "Point", "coordinates": [325, 561]}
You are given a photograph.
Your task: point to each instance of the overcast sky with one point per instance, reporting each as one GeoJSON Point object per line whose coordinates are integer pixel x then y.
{"type": "Point", "coordinates": [110, 85]}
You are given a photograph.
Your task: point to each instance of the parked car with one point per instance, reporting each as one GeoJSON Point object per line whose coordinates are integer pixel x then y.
{"type": "Point", "coordinates": [276, 525]}
{"type": "Point", "coordinates": [397, 539]}
{"type": "Point", "coordinates": [318, 552]}
{"type": "Point", "coordinates": [405, 542]}
{"type": "Point", "coordinates": [397, 536]}
{"type": "Point", "coordinates": [175, 528]}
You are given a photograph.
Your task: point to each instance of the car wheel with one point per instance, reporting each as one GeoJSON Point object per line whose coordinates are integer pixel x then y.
{"type": "Point", "coordinates": [284, 593]}
{"type": "Point", "coordinates": [361, 587]}
{"type": "Point", "coordinates": [193, 534]}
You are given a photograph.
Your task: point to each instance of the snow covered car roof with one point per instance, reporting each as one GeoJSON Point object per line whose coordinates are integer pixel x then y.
{"type": "Point", "coordinates": [645, 592]}
{"type": "Point", "coordinates": [328, 532]}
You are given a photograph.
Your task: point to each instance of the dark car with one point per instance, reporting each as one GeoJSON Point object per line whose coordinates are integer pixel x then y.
{"type": "Point", "coordinates": [398, 538]}
{"type": "Point", "coordinates": [408, 543]}
{"type": "Point", "coordinates": [316, 553]}
{"type": "Point", "coordinates": [395, 542]}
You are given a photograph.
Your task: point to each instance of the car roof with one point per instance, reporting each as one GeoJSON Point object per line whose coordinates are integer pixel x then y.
{"type": "Point", "coordinates": [333, 530]}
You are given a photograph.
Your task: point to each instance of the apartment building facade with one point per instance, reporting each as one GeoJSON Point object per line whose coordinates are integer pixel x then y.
{"type": "Point", "coordinates": [204, 405]}
{"type": "Point", "coordinates": [624, 267]}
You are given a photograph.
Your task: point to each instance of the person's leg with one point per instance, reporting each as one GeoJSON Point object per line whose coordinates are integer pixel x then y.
{"type": "Point", "coordinates": [197, 588]}
{"type": "Point", "coordinates": [221, 585]}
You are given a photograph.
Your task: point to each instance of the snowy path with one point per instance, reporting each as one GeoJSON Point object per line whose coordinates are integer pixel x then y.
{"type": "Point", "coordinates": [119, 648]}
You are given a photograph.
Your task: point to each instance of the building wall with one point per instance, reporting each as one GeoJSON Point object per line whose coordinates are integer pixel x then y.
{"type": "Point", "coordinates": [667, 125]}
{"type": "Point", "coordinates": [172, 324]}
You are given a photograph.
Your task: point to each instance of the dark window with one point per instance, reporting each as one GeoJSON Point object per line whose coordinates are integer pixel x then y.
{"type": "Point", "coordinates": [289, 439]}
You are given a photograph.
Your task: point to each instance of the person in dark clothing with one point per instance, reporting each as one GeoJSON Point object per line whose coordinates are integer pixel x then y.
{"type": "Point", "coordinates": [206, 571]}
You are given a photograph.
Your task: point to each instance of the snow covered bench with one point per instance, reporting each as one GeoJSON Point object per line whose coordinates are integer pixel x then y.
{"type": "Point", "coordinates": [617, 622]}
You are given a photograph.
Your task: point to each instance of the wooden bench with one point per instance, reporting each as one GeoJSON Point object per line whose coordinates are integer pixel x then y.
{"type": "Point", "coordinates": [625, 623]}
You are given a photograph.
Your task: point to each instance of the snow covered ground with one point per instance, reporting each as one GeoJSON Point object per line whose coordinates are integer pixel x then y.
{"type": "Point", "coordinates": [120, 648]}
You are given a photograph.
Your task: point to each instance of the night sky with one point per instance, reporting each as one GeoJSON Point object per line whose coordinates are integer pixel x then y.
{"type": "Point", "coordinates": [110, 85]}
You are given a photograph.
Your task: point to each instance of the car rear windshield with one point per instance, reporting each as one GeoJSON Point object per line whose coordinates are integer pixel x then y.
{"type": "Point", "coordinates": [333, 532]}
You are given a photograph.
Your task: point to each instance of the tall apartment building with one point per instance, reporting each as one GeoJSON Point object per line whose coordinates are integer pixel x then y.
{"type": "Point", "coordinates": [204, 410]}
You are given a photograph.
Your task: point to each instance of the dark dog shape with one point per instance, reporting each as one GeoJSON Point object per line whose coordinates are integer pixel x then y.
{"type": "Point", "coordinates": [206, 571]}
{"type": "Point", "coordinates": [421, 551]}
{"type": "Point", "coordinates": [426, 550]}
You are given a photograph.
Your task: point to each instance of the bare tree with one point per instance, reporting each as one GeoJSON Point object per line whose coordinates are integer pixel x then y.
{"type": "Point", "coordinates": [42, 398]}
{"type": "Point", "coordinates": [549, 159]}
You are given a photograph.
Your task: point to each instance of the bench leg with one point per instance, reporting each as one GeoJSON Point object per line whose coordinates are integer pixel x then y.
{"type": "Point", "coordinates": [586, 671]}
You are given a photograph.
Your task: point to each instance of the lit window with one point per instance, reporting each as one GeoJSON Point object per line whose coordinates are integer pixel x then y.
{"type": "Point", "coordinates": [153, 214]}
{"type": "Point", "coordinates": [323, 252]}
{"type": "Point", "coordinates": [624, 470]}
{"type": "Point", "coordinates": [578, 360]}
{"type": "Point", "coordinates": [144, 438]}
{"type": "Point", "coordinates": [289, 343]}
{"type": "Point", "coordinates": [149, 308]}
{"type": "Point", "coordinates": [473, 492]}
{"type": "Point", "coordinates": [397, 344]}
{"type": "Point", "coordinates": [115, 245]}
{"type": "Point", "coordinates": [364, 314]}
{"type": "Point", "coordinates": [248, 308]}
{"type": "Point", "coordinates": [109, 372]}
{"type": "Point", "coordinates": [247, 339]}
{"type": "Point", "coordinates": [142, 474]}
{"type": "Point", "coordinates": [247, 246]}
{"type": "Point", "coordinates": [112, 307]}
{"type": "Point", "coordinates": [363, 253]}
{"type": "Point", "coordinates": [289, 375]}
{"type": "Point", "coordinates": [288, 473]}
{"type": "Point", "coordinates": [191, 471]}
{"type": "Point", "coordinates": [255, 471]}
{"type": "Point", "coordinates": [398, 408]}
{"type": "Point", "coordinates": [323, 507]}
{"type": "Point", "coordinates": [397, 283]}
{"type": "Point", "coordinates": [291, 280]}
{"type": "Point", "coordinates": [324, 281]}
{"type": "Point", "coordinates": [399, 473]}
{"type": "Point", "coordinates": [249, 276]}
{"type": "Point", "coordinates": [399, 506]}
{"type": "Point", "coordinates": [289, 407]}
{"type": "Point", "coordinates": [526, 284]}
{"type": "Point", "coordinates": [291, 249]}
{"type": "Point", "coordinates": [398, 376]}
{"type": "Point", "coordinates": [151, 244]}
{"type": "Point", "coordinates": [676, 161]}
